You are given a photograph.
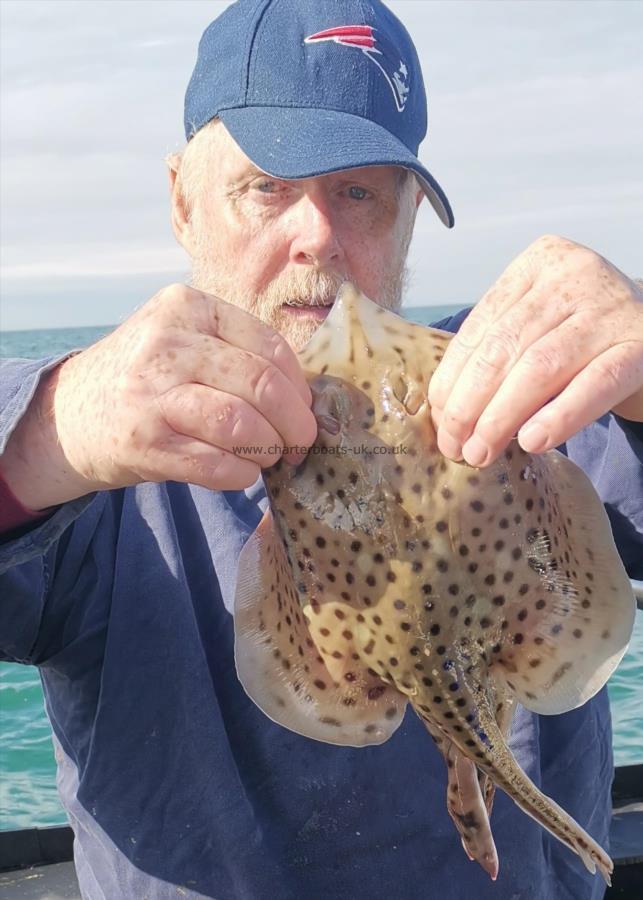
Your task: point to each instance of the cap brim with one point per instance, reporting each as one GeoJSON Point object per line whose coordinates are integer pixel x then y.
{"type": "Point", "coordinates": [294, 142]}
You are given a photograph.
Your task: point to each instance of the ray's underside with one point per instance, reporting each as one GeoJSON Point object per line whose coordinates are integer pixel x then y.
{"type": "Point", "coordinates": [384, 574]}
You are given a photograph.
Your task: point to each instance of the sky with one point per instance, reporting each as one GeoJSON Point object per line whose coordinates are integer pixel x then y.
{"type": "Point", "coordinates": [535, 126]}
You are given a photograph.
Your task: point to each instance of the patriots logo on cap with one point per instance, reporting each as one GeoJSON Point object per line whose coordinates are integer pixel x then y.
{"type": "Point", "coordinates": [363, 38]}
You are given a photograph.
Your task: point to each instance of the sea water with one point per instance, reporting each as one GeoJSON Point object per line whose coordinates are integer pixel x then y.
{"type": "Point", "coordinates": [27, 768]}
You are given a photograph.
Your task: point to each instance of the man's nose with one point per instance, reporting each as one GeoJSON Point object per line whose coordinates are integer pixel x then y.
{"type": "Point", "coordinates": [315, 240]}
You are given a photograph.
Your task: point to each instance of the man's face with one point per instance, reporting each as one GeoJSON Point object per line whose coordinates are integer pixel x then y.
{"type": "Point", "coordinates": [281, 249]}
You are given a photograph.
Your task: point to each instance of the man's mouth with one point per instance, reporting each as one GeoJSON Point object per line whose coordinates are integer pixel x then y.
{"type": "Point", "coordinates": [315, 310]}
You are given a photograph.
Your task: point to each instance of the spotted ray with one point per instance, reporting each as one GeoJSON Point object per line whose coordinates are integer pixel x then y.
{"type": "Point", "coordinates": [384, 573]}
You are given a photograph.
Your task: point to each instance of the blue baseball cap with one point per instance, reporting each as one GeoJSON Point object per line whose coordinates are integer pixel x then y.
{"type": "Point", "coordinates": [309, 87]}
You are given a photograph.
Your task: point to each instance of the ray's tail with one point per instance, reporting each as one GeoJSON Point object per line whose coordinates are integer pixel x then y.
{"type": "Point", "coordinates": [501, 766]}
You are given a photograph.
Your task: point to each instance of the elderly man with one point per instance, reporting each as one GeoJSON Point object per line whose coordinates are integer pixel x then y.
{"type": "Point", "coordinates": [131, 482]}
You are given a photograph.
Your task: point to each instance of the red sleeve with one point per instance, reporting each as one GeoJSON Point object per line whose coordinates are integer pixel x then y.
{"type": "Point", "coordinates": [13, 514]}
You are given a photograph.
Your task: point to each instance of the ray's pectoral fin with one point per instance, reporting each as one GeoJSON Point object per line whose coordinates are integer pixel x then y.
{"type": "Point", "coordinates": [281, 667]}
{"type": "Point", "coordinates": [564, 643]}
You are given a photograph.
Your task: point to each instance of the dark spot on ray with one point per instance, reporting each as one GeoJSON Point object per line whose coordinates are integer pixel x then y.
{"type": "Point", "coordinates": [498, 600]}
{"type": "Point", "coordinates": [472, 567]}
{"type": "Point", "coordinates": [560, 671]}
{"type": "Point", "coordinates": [391, 576]}
{"type": "Point", "coordinates": [375, 692]}
{"type": "Point", "coordinates": [441, 526]}
{"type": "Point", "coordinates": [320, 541]}
{"type": "Point", "coordinates": [442, 565]}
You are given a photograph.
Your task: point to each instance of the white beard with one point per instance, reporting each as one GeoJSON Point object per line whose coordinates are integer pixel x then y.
{"type": "Point", "coordinates": [310, 286]}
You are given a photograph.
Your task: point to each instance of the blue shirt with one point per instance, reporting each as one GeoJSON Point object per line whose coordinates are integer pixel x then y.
{"type": "Point", "coordinates": [173, 779]}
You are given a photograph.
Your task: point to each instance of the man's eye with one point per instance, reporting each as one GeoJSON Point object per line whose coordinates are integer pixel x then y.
{"type": "Point", "coordinates": [357, 193]}
{"type": "Point", "coordinates": [267, 187]}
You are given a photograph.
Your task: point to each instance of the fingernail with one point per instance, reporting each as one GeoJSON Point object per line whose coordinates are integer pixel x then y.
{"type": "Point", "coordinates": [533, 437]}
{"type": "Point", "coordinates": [448, 445]}
{"type": "Point", "coordinates": [475, 451]}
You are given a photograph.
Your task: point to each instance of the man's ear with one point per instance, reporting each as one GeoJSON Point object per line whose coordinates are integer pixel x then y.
{"type": "Point", "coordinates": [181, 224]}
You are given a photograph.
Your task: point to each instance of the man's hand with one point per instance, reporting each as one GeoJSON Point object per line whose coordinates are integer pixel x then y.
{"type": "Point", "coordinates": [190, 388]}
{"type": "Point", "coordinates": [552, 346]}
